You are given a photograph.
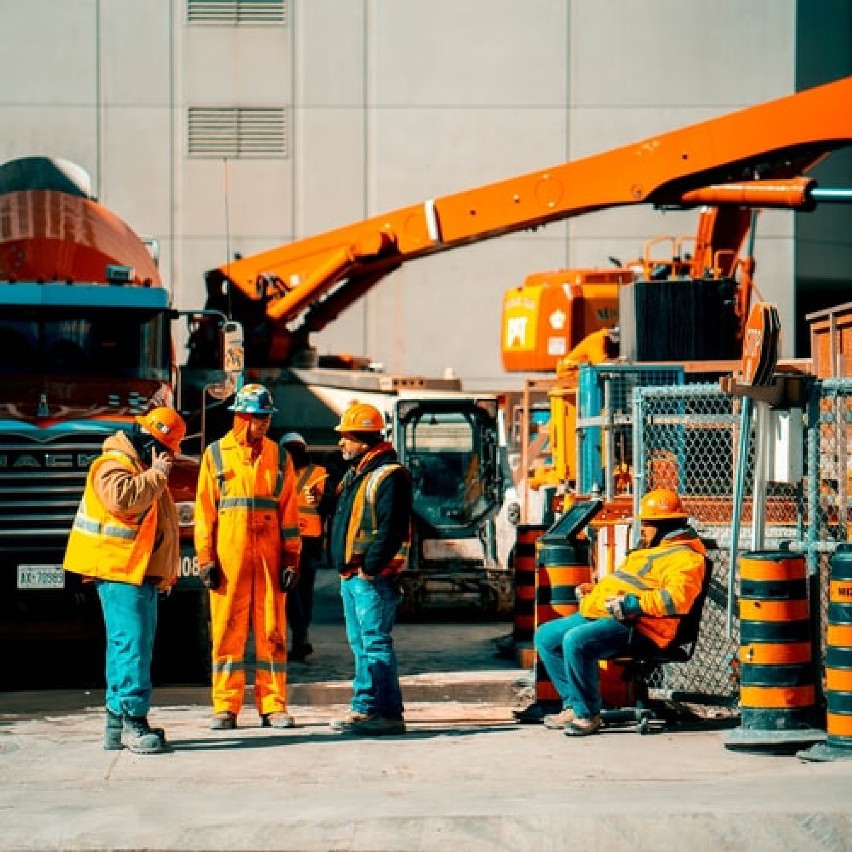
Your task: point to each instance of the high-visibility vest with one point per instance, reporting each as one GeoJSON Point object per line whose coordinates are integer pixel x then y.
{"type": "Point", "coordinates": [362, 529]}
{"type": "Point", "coordinates": [310, 520]}
{"type": "Point", "coordinates": [105, 545]}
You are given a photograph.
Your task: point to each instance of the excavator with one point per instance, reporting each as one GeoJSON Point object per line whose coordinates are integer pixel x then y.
{"type": "Point", "coordinates": [754, 158]}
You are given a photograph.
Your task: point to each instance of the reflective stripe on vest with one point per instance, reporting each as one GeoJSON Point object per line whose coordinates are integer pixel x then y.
{"type": "Point", "coordinates": [362, 524]}
{"type": "Point", "coordinates": [104, 545]}
{"type": "Point", "coordinates": [248, 504]}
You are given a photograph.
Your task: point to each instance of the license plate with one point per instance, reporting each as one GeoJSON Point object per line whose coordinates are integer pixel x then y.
{"type": "Point", "coordinates": [41, 577]}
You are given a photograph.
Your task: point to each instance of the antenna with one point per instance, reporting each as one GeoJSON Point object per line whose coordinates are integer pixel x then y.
{"type": "Point", "coordinates": [227, 233]}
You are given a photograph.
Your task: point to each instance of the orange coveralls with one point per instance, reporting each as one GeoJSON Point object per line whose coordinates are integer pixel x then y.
{"type": "Point", "coordinates": [246, 520]}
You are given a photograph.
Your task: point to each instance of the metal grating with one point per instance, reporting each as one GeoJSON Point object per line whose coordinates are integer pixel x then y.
{"type": "Point", "coordinates": [236, 12]}
{"type": "Point", "coordinates": [237, 132]}
{"type": "Point", "coordinates": [40, 486]}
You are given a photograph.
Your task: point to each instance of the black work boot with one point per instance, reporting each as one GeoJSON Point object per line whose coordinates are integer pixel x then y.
{"type": "Point", "coordinates": [121, 731]}
{"type": "Point", "coordinates": [112, 731]}
{"type": "Point", "coordinates": [140, 737]}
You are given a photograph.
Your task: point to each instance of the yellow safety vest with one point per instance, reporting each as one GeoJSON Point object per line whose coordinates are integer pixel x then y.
{"type": "Point", "coordinates": [105, 545]}
{"type": "Point", "coordinates": [363, 530]}
{"type": "Point", "coordinates": [310, 520]}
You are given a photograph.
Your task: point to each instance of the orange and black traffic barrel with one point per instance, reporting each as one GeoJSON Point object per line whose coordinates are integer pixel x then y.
{"type": "Point", "coordinates": [561, 566]}
{"type": "Point", "coordinates": [838, 663]}
{"type": "Point", "coordinates": [523, 620]}
{"type": "Point", "coordinates": [778, 694]}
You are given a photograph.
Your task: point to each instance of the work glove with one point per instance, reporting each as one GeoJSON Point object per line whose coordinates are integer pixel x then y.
{"type": "Point", "coordinates": [624, 607]}
{"type": "Point", "coordinates": [211, 576]}
{"type": "Point", "coordinates": [630, 606]}
{"type": "Point", "coordinates": [288, 579]}
{"type": "Point", "coordinates": [288, 576]}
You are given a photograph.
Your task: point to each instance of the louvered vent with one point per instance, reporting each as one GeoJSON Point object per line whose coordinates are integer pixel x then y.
{"type": "Point", "coordinates": [237, 133]}
{"type": "Point", "coordinates": [235, 12]}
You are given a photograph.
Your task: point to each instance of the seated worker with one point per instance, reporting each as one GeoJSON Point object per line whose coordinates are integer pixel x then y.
{"type": "Point", "coordinates": [655, 583]}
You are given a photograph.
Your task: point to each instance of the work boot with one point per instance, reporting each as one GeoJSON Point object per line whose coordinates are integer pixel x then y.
{"type": "Point", "coordinates": [139, 737]}
{"type": "Point", "coordinates": [115, 727]}
{"type": "Point", "coordinates": [374, 726]}
{"type": "Point", "coordinates": [112, 732]}
{"type": "Point", "coordinates": [557, 721]}
{"type": "Point", "coordinates": [223, 721]}
{"type": "Point", "coordinates": [278, 719]}
{"type": "Point", "coordinates": [342, 725]}
{"type": "Point", "coordinates": [583, 726]}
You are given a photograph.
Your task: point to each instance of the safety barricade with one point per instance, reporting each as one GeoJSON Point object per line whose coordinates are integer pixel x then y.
{"type": "Point", "coordinates": [561, 566]}
{"type": "Point", "coordinates": [838, 663]}
{"type": "Point", "coordinates": [777, 684]}
{"type": "Point", "coordinates": [523, 619]}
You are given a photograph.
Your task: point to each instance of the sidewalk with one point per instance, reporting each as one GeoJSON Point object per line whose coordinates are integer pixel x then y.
{"type": "Point", "coordinates": [463, 777]}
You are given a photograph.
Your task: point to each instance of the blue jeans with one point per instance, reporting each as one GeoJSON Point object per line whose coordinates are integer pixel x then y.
{"type": "Point", "coordinates": [130, 618]}
{"type": "Point", "coordinates": [570, 649]}
{"type": "Point", "coordinates": [369, 609]}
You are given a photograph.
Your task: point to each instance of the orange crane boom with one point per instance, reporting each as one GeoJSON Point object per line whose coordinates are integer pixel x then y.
{"type": "Point", "coordinates": [752, 157]}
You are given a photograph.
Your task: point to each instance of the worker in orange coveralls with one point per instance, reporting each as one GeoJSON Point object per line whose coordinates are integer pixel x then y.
{"type": "Point", "coordinates": [247, 539]}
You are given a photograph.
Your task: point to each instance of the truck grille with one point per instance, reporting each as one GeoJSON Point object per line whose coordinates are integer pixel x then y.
{"type": "Point", "coordinates": [40, 487]}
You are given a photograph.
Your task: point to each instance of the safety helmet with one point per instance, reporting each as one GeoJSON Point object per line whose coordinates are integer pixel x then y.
{"type": "Point", "coordinates": [361, 417]}
{"type": "Point", "coordinates": [166, 425]}
{"type": "Point", "coordinates": [253, 399]}
{"type": "Point", "coordinates": [661, 504]}
{"type": "Point", "coordinates": [293, 438]}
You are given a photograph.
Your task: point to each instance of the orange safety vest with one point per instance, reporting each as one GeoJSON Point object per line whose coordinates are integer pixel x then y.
{"type": "Point", "coordinates": [310, 520]}
{"type": "Point", "coordinates": [362, 529]}
{"type": "Point", "coordinates": [105, 545]}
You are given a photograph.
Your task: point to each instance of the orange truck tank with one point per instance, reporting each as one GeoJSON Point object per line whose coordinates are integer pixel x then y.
{"type": "Point", "coordinates": [551, 312]}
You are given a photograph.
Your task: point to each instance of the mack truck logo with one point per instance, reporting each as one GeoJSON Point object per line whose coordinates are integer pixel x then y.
{"type": "Point", "coordinates": [66, 461]}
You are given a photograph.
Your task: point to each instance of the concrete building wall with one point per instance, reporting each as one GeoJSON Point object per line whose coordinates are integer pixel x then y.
{"type": "Point", "coordinates": [386, 103]}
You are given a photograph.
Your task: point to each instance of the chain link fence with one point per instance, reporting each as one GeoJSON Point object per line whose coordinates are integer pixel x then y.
{"type": "Point", "coordinates": [690, 438]}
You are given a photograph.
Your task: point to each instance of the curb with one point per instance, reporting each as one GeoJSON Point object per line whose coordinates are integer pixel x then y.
{"type": "Point", "coordinates": [486, 687]}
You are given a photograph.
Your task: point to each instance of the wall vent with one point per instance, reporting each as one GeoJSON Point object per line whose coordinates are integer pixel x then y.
{"type": "Point", "coordinates": [236, 12]}
{"type": "Point", "coordinates": [237, 132]}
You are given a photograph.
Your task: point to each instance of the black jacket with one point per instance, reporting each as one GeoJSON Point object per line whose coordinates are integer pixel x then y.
{"type": "Point", "coordinates": [393, 511]}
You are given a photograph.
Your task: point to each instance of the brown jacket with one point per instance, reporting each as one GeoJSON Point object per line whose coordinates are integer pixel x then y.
{"type": "Point", "coordinates": [124, 494]}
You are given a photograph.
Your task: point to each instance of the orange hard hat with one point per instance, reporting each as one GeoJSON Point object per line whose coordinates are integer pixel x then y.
{"type": "Point", "coordinates": [166, 425]}
{"type": "Point", "coordinates": [661, 504]}
{"type": "Point", "coordinates": [361, 417]}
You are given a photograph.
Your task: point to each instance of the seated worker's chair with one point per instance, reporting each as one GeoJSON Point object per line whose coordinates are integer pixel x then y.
{"type": "Point", "coordinates": [641, 667]}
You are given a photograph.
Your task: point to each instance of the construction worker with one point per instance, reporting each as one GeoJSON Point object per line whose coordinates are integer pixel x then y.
{"type": "Point", "coordinates": [368, 544]}
{"type": "Point", "coordinates": [595, 348]}
{"type": "Point", "coordinates": [247, 539]}
{"type": "Point", "coordinates": [636, 606]}
{"type": "Point", "coordinates": [300, 601]}
{"type": "Point", "coordinates": [125, 538]}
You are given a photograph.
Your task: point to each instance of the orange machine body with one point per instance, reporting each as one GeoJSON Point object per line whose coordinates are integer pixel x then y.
{"type": "Point", "coordinates": [547, 316]}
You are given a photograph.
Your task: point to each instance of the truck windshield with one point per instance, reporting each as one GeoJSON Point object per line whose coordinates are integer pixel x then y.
{"type": "Point", "coordinates": [90, 341]}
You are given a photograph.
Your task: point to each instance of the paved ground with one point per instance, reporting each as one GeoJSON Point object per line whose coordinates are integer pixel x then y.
{"type": "Point", "coordinates": [464, 777]}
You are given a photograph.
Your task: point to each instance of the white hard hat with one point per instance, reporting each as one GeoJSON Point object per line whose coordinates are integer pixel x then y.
{"type": "Point", "coordinates": [293, 438]}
